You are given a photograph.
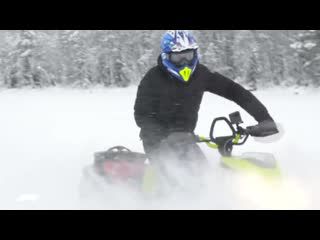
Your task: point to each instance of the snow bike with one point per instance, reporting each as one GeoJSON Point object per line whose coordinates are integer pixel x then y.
{"type": "Point", "coordinates": [121, 166]}
{"type": "Point", "coordinates": [263, 164]}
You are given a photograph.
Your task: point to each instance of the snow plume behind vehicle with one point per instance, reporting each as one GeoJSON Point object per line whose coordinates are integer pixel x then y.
{"type": "Point", "coordinates": [285, 195]}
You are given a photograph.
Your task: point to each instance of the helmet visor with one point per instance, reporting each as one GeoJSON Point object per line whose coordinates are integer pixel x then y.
{"type": "Point", "coordinates": [182, 58]}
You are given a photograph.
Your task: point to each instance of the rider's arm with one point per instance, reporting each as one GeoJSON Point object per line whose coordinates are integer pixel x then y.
{"type": "Point", "coordinates": [225, 87]}
{"type": "Point", "coordinates": [145, 108]}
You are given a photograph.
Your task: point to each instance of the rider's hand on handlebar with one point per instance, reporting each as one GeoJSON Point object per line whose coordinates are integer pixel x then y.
{"type": "Point", "coordinates": [263, 129]}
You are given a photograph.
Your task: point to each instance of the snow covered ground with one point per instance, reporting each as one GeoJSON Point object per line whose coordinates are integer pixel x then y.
{"type": "Point", "coordinates": [48, 136]}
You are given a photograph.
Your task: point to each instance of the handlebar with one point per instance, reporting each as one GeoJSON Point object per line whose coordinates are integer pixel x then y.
{"type": "Point", "coordinates": [239, 135]}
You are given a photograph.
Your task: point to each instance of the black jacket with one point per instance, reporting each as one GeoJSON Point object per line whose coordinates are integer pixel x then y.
{"type": "Point", "coordinates": [164, 105]}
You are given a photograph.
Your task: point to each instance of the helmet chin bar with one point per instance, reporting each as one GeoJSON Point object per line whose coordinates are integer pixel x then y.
{"type": "Point", "coordinates": [183, 73]}
{"type": "Point", "coordinates": [186, 73]}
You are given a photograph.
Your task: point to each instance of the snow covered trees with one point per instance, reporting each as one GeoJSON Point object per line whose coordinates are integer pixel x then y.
{"type": "Point", "coordinates": [83, 58]}
{"type": "Point", "coordinates": [307, 50]}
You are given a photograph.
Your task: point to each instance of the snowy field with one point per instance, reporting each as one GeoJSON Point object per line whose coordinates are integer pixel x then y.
{"type": "Point", "coordinates": [48, 136]}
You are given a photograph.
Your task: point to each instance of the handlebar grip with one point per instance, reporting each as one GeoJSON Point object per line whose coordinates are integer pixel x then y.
{"type": "Point", "coordinates": [263, 129]}
{"type": "Point", "coordinates": [268, 133]}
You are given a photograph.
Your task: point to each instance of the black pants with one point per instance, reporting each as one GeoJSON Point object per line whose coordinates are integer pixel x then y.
{"type": "Point", "coordinates": [182, 145]}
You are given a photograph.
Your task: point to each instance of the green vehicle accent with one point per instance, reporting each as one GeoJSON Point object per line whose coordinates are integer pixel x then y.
{"type": "Point", "coordinates": [149, 180]}
{"type": "Point", "coordinates": [248, 166]}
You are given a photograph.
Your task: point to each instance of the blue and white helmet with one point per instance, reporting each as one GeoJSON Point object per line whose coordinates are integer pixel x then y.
{"type": "Point", "coordinates": [175, 42]}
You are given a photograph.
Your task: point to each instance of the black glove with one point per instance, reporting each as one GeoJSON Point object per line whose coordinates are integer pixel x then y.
{"type": "Point", "coordinates": [263, 129]}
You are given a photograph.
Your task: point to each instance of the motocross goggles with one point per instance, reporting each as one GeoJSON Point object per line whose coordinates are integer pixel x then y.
{"type": "Point", "coordinates": [182, 58]}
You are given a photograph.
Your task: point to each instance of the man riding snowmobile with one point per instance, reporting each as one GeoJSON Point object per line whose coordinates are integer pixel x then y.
{"type": "Point", "coordinates": [170, 94]}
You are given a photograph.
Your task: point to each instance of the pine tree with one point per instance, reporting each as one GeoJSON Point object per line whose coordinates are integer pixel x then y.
{"type": "Point", "coordinates": [229, 55]}
{"type": "Point", "coordinates": [21, 60]}
{"type": "Point", "coordinates": [307, 47]}
{"type": "Point", "coordinates": [74, 58]}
